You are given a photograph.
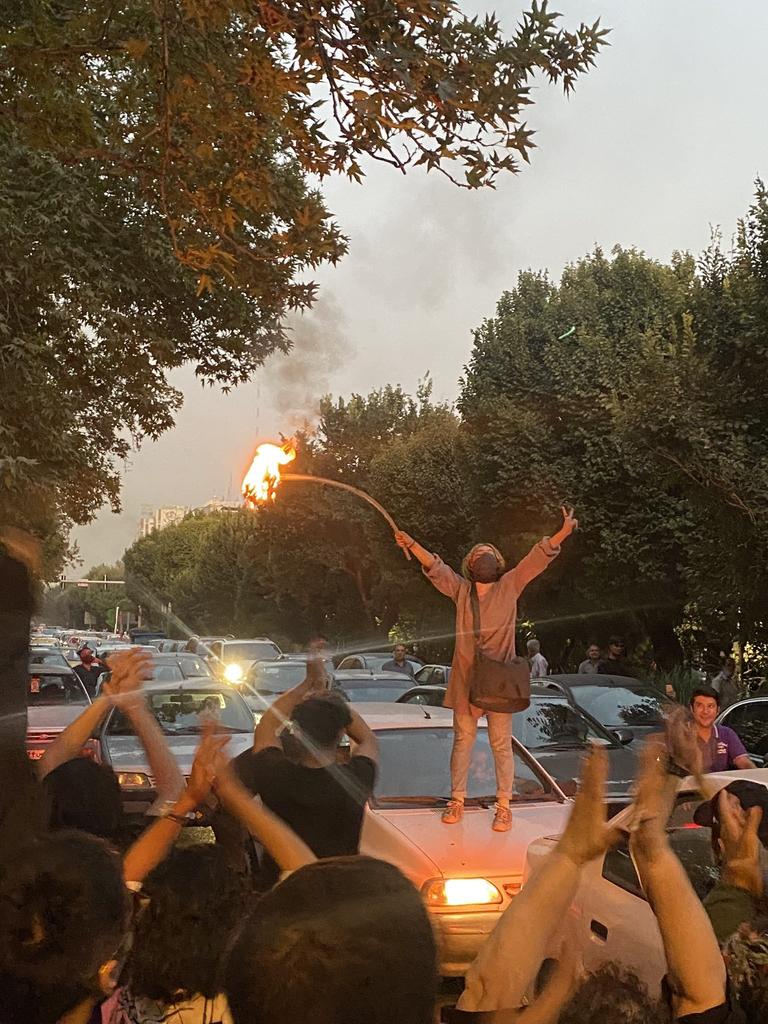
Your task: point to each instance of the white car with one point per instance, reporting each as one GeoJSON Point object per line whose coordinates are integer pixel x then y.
{"type": "Point", "coordinates": [230, 660]}
{"type": "Point", "coordinates": [610, 918]}
{"type": "Point", "coordinates": [467, 873]}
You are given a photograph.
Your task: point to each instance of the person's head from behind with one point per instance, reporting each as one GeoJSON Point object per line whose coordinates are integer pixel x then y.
{"type": "Point", "coordinates": [746, 953]}
{"type": "Point", "coordinates": [342, 941]}
{"type": "Point", "coordinates": [86, 796]}
{"type": "Point", "coordinates": [195, 902]}
{"type": "Point", "coordinates": [613, 995]}
{"type": "Point", "coordinates": [534, 647]}
{"type": "Point", "coordinates": [65, 914]}
{"type": "Point", "coordinates": [400, 653]}
{"type": "Point", "coordinates": [593, 652]}
{"type": "Point", "coordinates": [705, 704]}
{"type": "Point", "coordinates": [318, 723]}
{"type": "Point", "coordinates": [617, 648]}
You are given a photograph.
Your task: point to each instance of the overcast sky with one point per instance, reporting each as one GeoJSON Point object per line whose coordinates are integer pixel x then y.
{"type": "Point", "coordinates": [660, 142]}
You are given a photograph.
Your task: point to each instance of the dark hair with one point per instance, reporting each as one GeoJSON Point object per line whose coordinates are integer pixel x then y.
{"type": "Point", "coordinates": [322, 718]}
{"type": "Point", "coordinates": [65, 911]}
{"type": "Point", "coordinates": [746, 954]}
{"type": "Point", "coordinates": [705, 691]}
{"type": "Point", "coordinates": [342, 941]}
{"type": "Point", "coordinates": [181, 938]}
{"type": "Point", "coordinates": [86, 796]}
{"type": "Point", "coordinates": [613, 995]}
{"type": "Point", "coordinates": [616, 640]}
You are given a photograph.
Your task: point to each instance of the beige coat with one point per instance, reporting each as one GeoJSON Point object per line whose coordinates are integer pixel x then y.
{"type": "Point", "coordinates": [498, 614]}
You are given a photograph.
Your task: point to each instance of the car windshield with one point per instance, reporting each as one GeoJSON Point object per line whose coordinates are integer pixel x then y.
{"type": "Point", "coordinates": [618, 706]}
{"type": "Point", "coordinates": [49, 690]}
{"type": "Point", "coordinates": [414, 766]}
{"type": "Point", "coordinates": [250, 650]}
{"type": "Point", "coordinates": [194, 667]}
{"type": "Point", "coordinates": [554, 723]}
{"type": "Point", "coordinates": [41, 656]}
{"type": "Point", "coordinates": [167, 672]}
{"type": "Point", "coordinates": [180, 712]}
{"type": "Point", "coordinates": [381, 692]}
{"type": "Point", "coordinates": [270, 678]}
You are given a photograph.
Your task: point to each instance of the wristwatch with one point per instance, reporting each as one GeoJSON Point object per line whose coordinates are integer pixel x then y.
{"type": "Point", "coordinates": [165, 810]}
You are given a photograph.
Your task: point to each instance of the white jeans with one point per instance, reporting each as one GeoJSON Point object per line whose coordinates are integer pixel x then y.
{"type": "Point", "coordinates": [500, 739]}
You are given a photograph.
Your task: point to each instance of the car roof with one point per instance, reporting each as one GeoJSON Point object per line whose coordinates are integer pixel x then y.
{"type": "Point", "coordinates": [50, 670]}
{"type": "Point", "coordinates": [593, 679]}
{"type": "Point", "coordinates": [379, 715]}
{"type": "Point", "coordinates": [361, 676]}
{"type": "Point", "coordinates": [250, 640]}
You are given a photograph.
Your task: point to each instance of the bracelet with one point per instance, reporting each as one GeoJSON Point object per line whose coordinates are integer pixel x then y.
{"type": "Point", "coordinates": [180, 819]}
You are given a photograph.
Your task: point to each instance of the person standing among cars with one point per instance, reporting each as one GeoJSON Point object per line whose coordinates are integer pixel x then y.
{"type": "Point", "coordinates": [726, 683]}
{"type": "Point", "coordinates": [90, 670]}
{"type": "Point", "coordinates": [591, 664]}
{"type": "Point", "coordinates": [721, 749]}
{"type": "Point", "coordinates": [399, 663]}
{"type": "Point", "coordinates": [616, 663]}
{"type": "Point", "coordinates": [497, 591]}
{"type": "Point", "coordinates": [537, 661]}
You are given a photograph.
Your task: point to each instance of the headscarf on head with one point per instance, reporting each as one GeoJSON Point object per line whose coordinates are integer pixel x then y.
{"type": "Point", "coordinates": [478, 568]}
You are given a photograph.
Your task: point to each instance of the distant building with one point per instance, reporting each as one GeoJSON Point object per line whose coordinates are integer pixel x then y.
{"type": "Point", "coordinates": [158, 518]}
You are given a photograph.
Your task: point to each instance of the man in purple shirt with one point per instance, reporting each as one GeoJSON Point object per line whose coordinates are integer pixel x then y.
{"type": "Point", "coordinates": [721, 749]}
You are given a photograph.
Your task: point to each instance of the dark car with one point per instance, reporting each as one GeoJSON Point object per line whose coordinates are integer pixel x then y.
{"type": "Point", "coordinates": [616, 702]}
{"type": "Point", "coordinates": [749, 720]}
{"type": "Point", "coordinates": [55, 698]}
{"type": "Point", "coordinates": [372, 661]}
{"type": "Point", "coordinates": [181, 711]}
{"type": "Point", "coordinates": [559, 735]}
{"type": "Point", "coordinates": [266, 680]}
{"type": "Point", "coordinates": [363, 687]}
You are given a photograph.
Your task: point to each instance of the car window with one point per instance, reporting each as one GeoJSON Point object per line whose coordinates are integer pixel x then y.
{"type": "Point", "coordinates": [277, 677]}
{"type": "Point", "coordinates": [618, 706]}
{"type": "Point", "coordinates": [424, 675]}
{"type": "Point", "coordinates": [416, 698]}
{"type": "Point", "coordinates": [50, 690]}
{"type": "Point", "coordinates": [416, 763]}
{"type": "Point", "coordinates": [750, 723]}
{"type": "Point", "coordinates": [554, 723]}
{"type": "Point", "coordinates": [40, 656]}
{"type": "Point", "coordinates": [181, 712]}
{"type": "Point", "coordinates": [167, 672]}
{"type": "Point", "coordinates": [369, 693]}
{"type": "Point", "coordinates": [619, 868]}
{"type": "Point", "coordinates": [250, 650]}
{"type": "Point", "coordinates": [194, 667]}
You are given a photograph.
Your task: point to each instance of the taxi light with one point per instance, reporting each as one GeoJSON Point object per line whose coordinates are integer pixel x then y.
{"type": "Point", "coordinates": [461, 892]}
{"type": "Point", "coordinates": [133, 780]}
{"type": "Point", "coordinates": [233, 673]}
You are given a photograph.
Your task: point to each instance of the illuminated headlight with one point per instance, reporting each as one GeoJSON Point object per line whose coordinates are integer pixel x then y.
{"type": "Point", "coordinates": [233, 673]}
{"type": "Point", "coordinates": [133, 780]}
{"type": "Point", "coordinates": [460, 892]}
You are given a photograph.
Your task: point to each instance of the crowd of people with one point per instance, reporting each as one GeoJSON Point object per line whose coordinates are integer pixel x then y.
{"type": "Point", "coordinates": [280, 919]}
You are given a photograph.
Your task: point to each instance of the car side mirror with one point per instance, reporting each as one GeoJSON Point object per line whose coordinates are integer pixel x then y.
{"type": "Point", "coordinates": [624, 736]}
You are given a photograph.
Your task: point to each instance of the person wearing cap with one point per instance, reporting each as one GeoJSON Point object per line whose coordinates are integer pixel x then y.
{"type": "Point", "coordinates": [738, 818]}
{"type": "Point", "coordinates": [720, 747]}
{"type": "Point", "coordinates": [616, 663]}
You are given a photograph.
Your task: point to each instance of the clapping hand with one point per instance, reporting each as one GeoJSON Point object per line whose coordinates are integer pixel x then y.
{"type": "Point", "coordinates": [588, 834]}
{"type": "Point", "coordinates": [210, 767]}
{"type": "Point", "coordinates": [128, 671]}
{"type": "Point", "coordinates": [740, 843]}
{"type": "Point", "coordinates": [317, 677]}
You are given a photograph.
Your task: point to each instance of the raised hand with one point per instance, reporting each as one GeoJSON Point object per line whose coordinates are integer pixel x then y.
{"type": "Point", "coordinates": [129, 670]}
{"type": "Point", "coordinates": [317, 677]}
{"type": "Point", "coordinates": [654, 797]}
{"type": "Point", "coordinates": [587, 834]}
{"type": "Point", "coordinates": [740, 843]}
{"type": "Point", "coordinates": [570, 522]}
{"type": "Point", "coordinates": [404, 540]}
{"type": "Point", "coordinates": [210, 764]}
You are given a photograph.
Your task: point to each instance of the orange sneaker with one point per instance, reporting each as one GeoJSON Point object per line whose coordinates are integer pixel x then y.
{"type": "Point", "coordinates": [502, 819]}
{"type": "Point", "coordinates": [453, 812]}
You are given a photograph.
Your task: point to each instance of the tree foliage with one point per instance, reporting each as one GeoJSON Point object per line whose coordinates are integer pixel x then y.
{"type": "Point", "coordinates": [154, 197]}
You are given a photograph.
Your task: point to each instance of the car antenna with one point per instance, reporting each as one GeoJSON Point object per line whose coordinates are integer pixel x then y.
{"type": "Point", "coordinates": [426, 713]}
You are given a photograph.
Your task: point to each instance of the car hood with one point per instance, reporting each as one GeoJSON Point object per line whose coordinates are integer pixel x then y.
{"type": "Point", "coordinates": [55, 716]}
{"type": "Point", "coordinates": [565, 767]}
{"type": "Point", "coordinates": [423, 847]}
{"type": "Point", "coordinates": [126, 754]}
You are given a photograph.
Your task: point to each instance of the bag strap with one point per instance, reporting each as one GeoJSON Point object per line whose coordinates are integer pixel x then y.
{"type": "Point", "coordinates": [474, 600]}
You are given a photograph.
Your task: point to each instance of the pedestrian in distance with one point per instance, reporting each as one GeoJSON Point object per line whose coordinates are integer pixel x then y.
{"type": "Point", "coordinates": [616, 663]}
{"type": "Point", "coordinates": [537, 661]}
{"type": "Point", "coordinates": [591, 664]}
{"type": "Point", "coordinates": [399, 662]}
{"type": "Point", "coordinates": [90, 670]}
{"type": "Point", "coordinates": [485, 595]}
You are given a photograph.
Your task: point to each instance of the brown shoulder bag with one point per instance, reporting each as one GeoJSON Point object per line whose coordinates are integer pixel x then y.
{"type": "Point", "coordinates": [503, 686]}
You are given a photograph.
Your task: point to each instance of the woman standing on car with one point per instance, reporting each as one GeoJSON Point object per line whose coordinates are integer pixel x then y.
{"type": "Point", "coordinates": [484, 571]}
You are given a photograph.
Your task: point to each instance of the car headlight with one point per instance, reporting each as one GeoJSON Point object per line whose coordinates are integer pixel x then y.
{"type": "Point", "coordinates": [233, 673]}
{"type": "Point", "coordinates": [460, 892]}
{"type": "Point", "coordinates": [133, 780]}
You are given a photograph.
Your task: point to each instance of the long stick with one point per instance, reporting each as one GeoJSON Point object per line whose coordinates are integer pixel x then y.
{"type": "Point", "coordinates": [305, 477]}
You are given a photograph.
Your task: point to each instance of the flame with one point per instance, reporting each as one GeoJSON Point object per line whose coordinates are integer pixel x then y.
{"type": "Point", "coordinates": [262, 479]}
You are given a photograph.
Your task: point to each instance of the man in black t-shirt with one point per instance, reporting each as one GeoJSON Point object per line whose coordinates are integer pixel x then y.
{"type": "Point", "coordinates": [293, 767]}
